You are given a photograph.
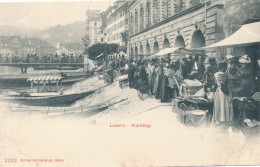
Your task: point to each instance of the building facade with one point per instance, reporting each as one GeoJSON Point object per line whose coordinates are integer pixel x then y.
{"type": "Point", "coordinates": [69, 48]}
{"type": "Point", "coordinates": [158, 24]}
{"type": "Point", "coordinates": [115, 24]}
{"type": "Point", "coordinates": [93, 24]}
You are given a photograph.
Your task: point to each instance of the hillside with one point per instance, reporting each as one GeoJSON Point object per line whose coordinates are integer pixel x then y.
{"type": "Point", "coordinates": [61, 33]}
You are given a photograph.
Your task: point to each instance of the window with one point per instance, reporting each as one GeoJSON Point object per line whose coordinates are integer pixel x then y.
{"type": "Point", "coordinates": [156, 14]}
{"type": "Point", "coordinates": [95, 23]}
{"type": "Point", "coordinates": [165, 11]}
{"type": "Point", "coordinates": [141, 17]}
{"type": "Point", "coordinates": [136, 21]}
{"type": "Point", "coordinates": [148, 14]}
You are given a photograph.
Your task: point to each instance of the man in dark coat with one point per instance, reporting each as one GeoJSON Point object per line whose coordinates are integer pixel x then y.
{"type": "Point", "coordinates": [142, 73]}
{"type": "Point", "coordinates": [131, 74]}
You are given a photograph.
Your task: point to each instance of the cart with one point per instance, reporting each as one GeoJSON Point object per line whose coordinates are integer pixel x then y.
{"type": "Point", "coordinates": [142, 89]}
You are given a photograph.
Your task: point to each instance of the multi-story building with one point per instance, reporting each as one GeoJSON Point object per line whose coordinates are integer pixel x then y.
{"type": "Point", "coordinates": [114, 27]}
{"type": "Point", "coordinates": [93, 24]}
{"type": "Point", "coordinates": [37, 46]}
{"type": "Point", "coordinates": [69, 48]}
{"type": "Point", "coordinates": [20, 47]}
{"type": "Point", "coordinates": [158, 24]}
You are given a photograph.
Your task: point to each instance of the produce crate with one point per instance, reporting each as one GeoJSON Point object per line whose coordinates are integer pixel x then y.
{"type": "Point", "coordinates": [189, 90]}
{"type": "Point", "coordinates": [188, 115]}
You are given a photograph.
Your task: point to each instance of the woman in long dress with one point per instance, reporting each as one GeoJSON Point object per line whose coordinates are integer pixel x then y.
{"type": "Point", "coordinates": [223, 108]}
{"type": "Point", "coordinates": [158, 80]}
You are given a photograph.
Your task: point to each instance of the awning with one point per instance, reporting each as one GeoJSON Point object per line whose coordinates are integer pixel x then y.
{"type": "Point", "coordinates": [167, 51]}
{"type": "Point", "coordinates": [247, 34]}
{"type": "Point", "coordinates": [177, 50]}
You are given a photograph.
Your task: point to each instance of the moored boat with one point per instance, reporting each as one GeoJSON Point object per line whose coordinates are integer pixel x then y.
{"type": "Point", "coordinates": [47, 95]}
{"type": "Point", "coordinates": [46, 100]}
{"type": "Point", "coordinates": [20, 80]}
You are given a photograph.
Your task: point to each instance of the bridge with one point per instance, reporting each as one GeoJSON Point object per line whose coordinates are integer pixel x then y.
{"type": "Point", "coordinates": [24, 66]}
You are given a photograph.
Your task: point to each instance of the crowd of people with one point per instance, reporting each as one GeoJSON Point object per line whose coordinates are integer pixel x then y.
{"type": "Point", "coordinates": [44, 58]}
{"type": "Point", "coordinates": [225, 79]}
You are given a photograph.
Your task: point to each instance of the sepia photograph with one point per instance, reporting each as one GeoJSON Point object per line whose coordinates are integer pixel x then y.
{"type": "Point", "coordinates": [129, 83]}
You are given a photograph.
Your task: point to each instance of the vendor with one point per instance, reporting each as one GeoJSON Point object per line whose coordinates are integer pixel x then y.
{"type": "Point", "coordinates": [158, 80]}
{"type": "Point", "coordinates": [233, 75]}
{"type": "Point", "coordinates": [246, 76]}
{"type": "Point", "coordinates": [210, 71]}
{"type": "Point", "coordinates": [223, 108]}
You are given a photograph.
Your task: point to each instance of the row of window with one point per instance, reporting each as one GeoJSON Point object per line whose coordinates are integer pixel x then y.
{"type": "Point", "coordinates": [120, 14]}
{"type": "Point", "coordinates": [155, 11]}
{"type": "Point", "coordinates": [118, 26]}
{"type": "Point", "coordinates": [114, 37]}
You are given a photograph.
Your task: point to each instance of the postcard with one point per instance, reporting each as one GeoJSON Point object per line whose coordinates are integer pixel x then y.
{"type": "Point", "coordinates": [129, 83]}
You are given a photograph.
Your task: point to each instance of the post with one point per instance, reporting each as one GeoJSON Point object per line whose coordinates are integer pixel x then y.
{"type": "Point", "coordinates": [38, 86]}
{"type": "Point", "coordinates": [49, 82]}
{"type": "Point", "coordinates": [44, 85]}
{"type": "Point", "coordinates": [57, 85]}
{"type": "Point", "coordinates": [31, 84]}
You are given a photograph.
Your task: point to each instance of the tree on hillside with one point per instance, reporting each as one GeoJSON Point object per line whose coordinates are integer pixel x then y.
{"type": "Point", "coordinates": [97, 49]}
{"type": "Point", "coordinates": [85, 40]}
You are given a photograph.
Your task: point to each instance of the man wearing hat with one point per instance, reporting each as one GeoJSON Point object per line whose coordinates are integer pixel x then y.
{"type": "Point", "coordinates": [210, 71]}
{"type": "Point", "coordinates": [185, 68]}
{"type": "Point", "coordinates": [246, 76]}
{"type": "Point", "coordinates": [233, 75]}
{"type": "Point", "coordinates": [142, 72]}
{"type": "Point", "coordinates": [131, 74]}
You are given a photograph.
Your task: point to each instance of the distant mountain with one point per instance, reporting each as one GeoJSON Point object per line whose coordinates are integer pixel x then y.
{"type": "Point", "coordinates": [63, 33]}
{"type": "Point", "coordinates": [13, 30]}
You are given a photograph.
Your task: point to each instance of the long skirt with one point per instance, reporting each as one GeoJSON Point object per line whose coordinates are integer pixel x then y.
{"type": "Point", "coordinates": [158, 89]}
{"type": "Point", "coordinates": [223, 108]}
{"type": "Point", "coordinates": [164, 92]}
{"type": "Point", "coordinates": [151, 81]}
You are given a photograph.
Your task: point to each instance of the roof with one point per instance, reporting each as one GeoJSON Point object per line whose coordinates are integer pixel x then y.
{"type": "Point", "coordinates": [246, 35]}
{"type": "Point", "coordinates": [44, 78]}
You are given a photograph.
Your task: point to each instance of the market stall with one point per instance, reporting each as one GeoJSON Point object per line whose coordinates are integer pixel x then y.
{"type": "Point", "coordinates": [191, 107]}
{"type": "Point", "coordinates": [248, 38]}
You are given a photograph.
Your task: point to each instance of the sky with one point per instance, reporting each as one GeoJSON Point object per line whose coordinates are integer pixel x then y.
{"type": "Point", "coordinates": [44, 14]}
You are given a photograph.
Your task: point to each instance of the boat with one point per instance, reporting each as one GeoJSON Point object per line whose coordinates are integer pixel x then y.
{"type": "Point", "coordinates": [46, 96]}
{"type": "Point", "coordinates": [20, 80]}
{"type": "Point", "coordinates": [46, 100]}
{"type": "Point", "coordinates": [58, 111]}
{"type": "Point", "coordinates": [74, 111]}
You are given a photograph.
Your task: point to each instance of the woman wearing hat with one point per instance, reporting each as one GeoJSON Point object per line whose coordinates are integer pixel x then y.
{"type": "Point", "coordinates": [223, 108]}
{"type": "Point", "coordinates": [158, 80]}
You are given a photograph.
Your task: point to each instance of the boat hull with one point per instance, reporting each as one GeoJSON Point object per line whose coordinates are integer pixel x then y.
{"type": "Point", "coordinates": [59, 100]}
